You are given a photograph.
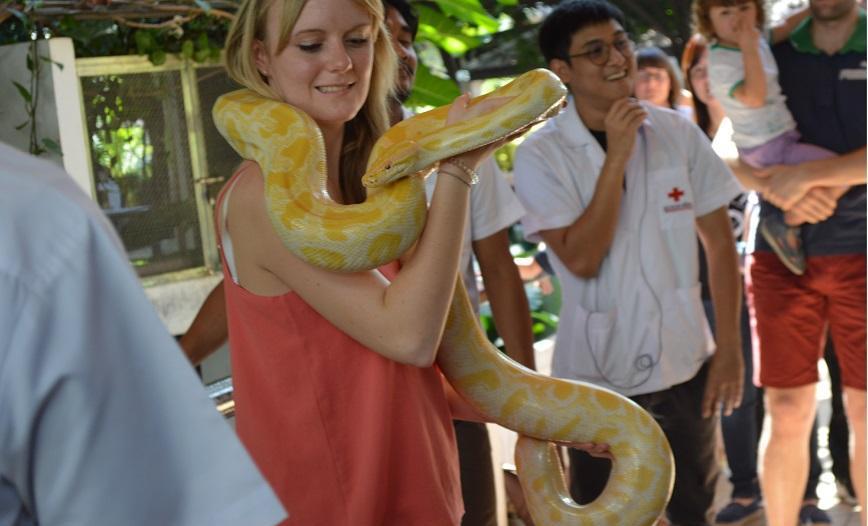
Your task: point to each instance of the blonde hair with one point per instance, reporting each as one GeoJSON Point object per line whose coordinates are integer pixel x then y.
{"type": "Point", "coordinates": [702, 19]}
{"type": "Point", "coordinates": [367, 126]}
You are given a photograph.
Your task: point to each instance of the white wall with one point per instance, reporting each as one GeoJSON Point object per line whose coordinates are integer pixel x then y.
{"type": "Point", "coordinates": [59, 114]}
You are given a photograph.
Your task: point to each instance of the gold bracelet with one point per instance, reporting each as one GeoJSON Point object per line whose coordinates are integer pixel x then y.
{"type": "Point", "coordinates": [472, 174]}
{"type": "Point", "coordinates": [455, 175]}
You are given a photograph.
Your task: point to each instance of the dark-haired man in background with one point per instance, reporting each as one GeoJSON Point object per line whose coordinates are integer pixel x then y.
{"type": "Point", "coordinates": [618, 190]}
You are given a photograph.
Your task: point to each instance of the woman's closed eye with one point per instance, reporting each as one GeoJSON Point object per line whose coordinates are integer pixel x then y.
{"type": "Point", "coordinates": [358, 41]}
{"type": "Point", "coordinates": [312, 47]}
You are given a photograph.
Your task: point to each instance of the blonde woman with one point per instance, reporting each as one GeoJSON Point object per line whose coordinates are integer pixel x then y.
{"type": "Point", "coordinates": [337, 398]}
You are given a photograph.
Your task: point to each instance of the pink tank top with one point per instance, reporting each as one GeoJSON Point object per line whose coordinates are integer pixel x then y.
{"type": "Point", "coordinates": [344, 435]}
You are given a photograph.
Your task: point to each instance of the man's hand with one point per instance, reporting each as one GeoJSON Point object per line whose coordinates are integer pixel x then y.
{"type": "Point", "coordinates": [591, 448]}
{"type": "Point", "coordinates": [817, 205]}
{"type": "Point", "coordinates": [785, 184]}
{"type": "Point", "coordinates": [622, 122]}
{"type": "Point", "coordinates": [725, 381]}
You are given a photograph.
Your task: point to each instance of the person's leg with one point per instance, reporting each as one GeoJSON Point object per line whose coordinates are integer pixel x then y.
{"type": "Point", "coordinates": [839, 432]}
{"type": "Point", "coordinates": [694, 448]}
{"type": "Point", "coordinates": [815, 468]}
{"type": "Point", "coordinates": [810, 512]}
{"type": "Point", "coordinates": [854, 401]}
{"type": "Point", "coordinates": [740, 436]}
{"type": "Point", "coordinates": [845, 283]}
{"type": "Point", "coordinates": [477, 475]}
{"type": "Point", "coordinates": [785, 457]}
{"type": "Point", "coordinates": [789, 329]}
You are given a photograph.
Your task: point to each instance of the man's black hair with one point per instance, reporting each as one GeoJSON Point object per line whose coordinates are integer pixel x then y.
{"type": "Point", "coordinates": [557, 30]}
{"type": "Point", "coordinates": [407, 11]}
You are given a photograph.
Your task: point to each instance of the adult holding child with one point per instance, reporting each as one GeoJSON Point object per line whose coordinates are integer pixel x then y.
{"type": "Point", "coordinates": [792, 312]}
{"type": "Point", "coordinates": [741, 429]}
{"type": "Point", "coordinates": [743, 77]}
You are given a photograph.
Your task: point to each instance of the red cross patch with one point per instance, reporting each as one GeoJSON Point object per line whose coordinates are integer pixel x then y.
{"type": "Point", "coordinates": [675, 194]}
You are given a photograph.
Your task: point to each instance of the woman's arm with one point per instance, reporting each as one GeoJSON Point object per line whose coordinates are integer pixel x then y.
{"type": "Point", "coordinates": [402, 320]}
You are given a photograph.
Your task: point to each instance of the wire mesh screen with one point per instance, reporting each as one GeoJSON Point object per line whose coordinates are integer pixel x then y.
{"type": "Point", "coordinates": [142, 169]}
{"type": "Point", "coordinates": [222, 159]}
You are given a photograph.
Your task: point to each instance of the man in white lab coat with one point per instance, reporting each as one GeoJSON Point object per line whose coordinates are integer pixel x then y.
{"type": "Point", "coordinates": [618, 191]}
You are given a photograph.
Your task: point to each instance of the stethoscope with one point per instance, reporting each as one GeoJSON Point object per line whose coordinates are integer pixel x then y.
{"type": "Point", "coordinates": [644, 362]}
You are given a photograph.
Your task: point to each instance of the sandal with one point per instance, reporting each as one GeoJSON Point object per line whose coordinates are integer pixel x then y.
{"type": "Point", "coordinates": [811, 515]}
{"type": "Point", "coordinates": [734, 512]}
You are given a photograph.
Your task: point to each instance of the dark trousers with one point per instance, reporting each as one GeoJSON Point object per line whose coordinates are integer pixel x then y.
{"type": "Point", "coordinates": [692, 438]}
{"type": "Point", "coordinates": [839, 431]}
{"type": "Point", "coordinates": [477, 475]}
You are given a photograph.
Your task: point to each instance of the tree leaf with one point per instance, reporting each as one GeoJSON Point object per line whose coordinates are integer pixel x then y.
{"type": "Point", "coordinates": [187, 49]}
{"type": "Point", "coordinates": [157, 57]}
{"type": "Point", "coordinates": [24, 92]}
{"type": "Point", "coordinates": [202, 42]}
{"type": "Point", "coordinates": [51, 146]}
{"type": "Point", "coordinates": [431, 90]}
{"type": "Point", "coordinates": [470, 11]}
{"type": "Point", "coordinates": [144, 42]}
{"type": "Point", "coordinates": [445, 32]}
{"type": "Point", "coordinates": [54, 62]}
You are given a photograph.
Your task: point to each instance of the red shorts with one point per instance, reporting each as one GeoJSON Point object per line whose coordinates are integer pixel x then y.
{"type": "Point", "coordinates": [790, 314]}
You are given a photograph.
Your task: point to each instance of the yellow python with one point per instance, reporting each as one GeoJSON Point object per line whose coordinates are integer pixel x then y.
{"type": "Point", "coordinates": [288, 146]}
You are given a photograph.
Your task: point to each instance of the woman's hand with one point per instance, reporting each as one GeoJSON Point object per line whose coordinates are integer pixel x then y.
{"type": "Point", "coordinates": [462, 110]}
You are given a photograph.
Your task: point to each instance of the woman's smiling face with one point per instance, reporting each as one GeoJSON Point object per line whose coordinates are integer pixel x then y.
{"type": "Point", "coordinates": [325, 68]}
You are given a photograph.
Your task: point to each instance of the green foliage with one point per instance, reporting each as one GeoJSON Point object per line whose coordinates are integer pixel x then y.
{"type": "Point", "coordinates": [544, 306]}
{"type": "Point", "coordinates": [432, 90]}
{"type": "Point", "coordinates": [200, 39]}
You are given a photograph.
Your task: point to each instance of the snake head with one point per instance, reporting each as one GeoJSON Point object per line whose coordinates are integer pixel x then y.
{"type": "Point", "coordinates": [394, 162]}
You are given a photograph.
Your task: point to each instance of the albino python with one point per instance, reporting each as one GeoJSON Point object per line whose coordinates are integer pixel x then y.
{"type": "Point", "coordinates": [288, 146]}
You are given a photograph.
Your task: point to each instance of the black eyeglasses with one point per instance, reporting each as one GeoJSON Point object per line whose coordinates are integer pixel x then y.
{"type": "Point", "coordinates": [599, 52]}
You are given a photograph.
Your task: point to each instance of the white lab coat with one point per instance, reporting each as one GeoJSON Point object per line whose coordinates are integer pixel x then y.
{"type": "Point", "coordinates": [638, 326]}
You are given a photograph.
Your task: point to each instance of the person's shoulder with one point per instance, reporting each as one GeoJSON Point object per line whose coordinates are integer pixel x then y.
{"type": "Point", "coordinates": [660, 116]}
{"type": "Point", "coordinates": [783, 48]}
{"type": "Point", "coordinates": [541, 136]}
{"type": "Point", "coordinates": [247, 184]}
{"type": "Point", "coordinates": [24, 178]}
{"type": "Point", "coordinates": [44, 216]}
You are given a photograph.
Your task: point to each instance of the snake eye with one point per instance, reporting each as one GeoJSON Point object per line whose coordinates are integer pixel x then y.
{"type": "Point", "coordinates": [388, 166]}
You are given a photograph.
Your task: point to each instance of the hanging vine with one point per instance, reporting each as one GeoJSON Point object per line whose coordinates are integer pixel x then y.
{"type": "Point", "coordinates": [30, 93]}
